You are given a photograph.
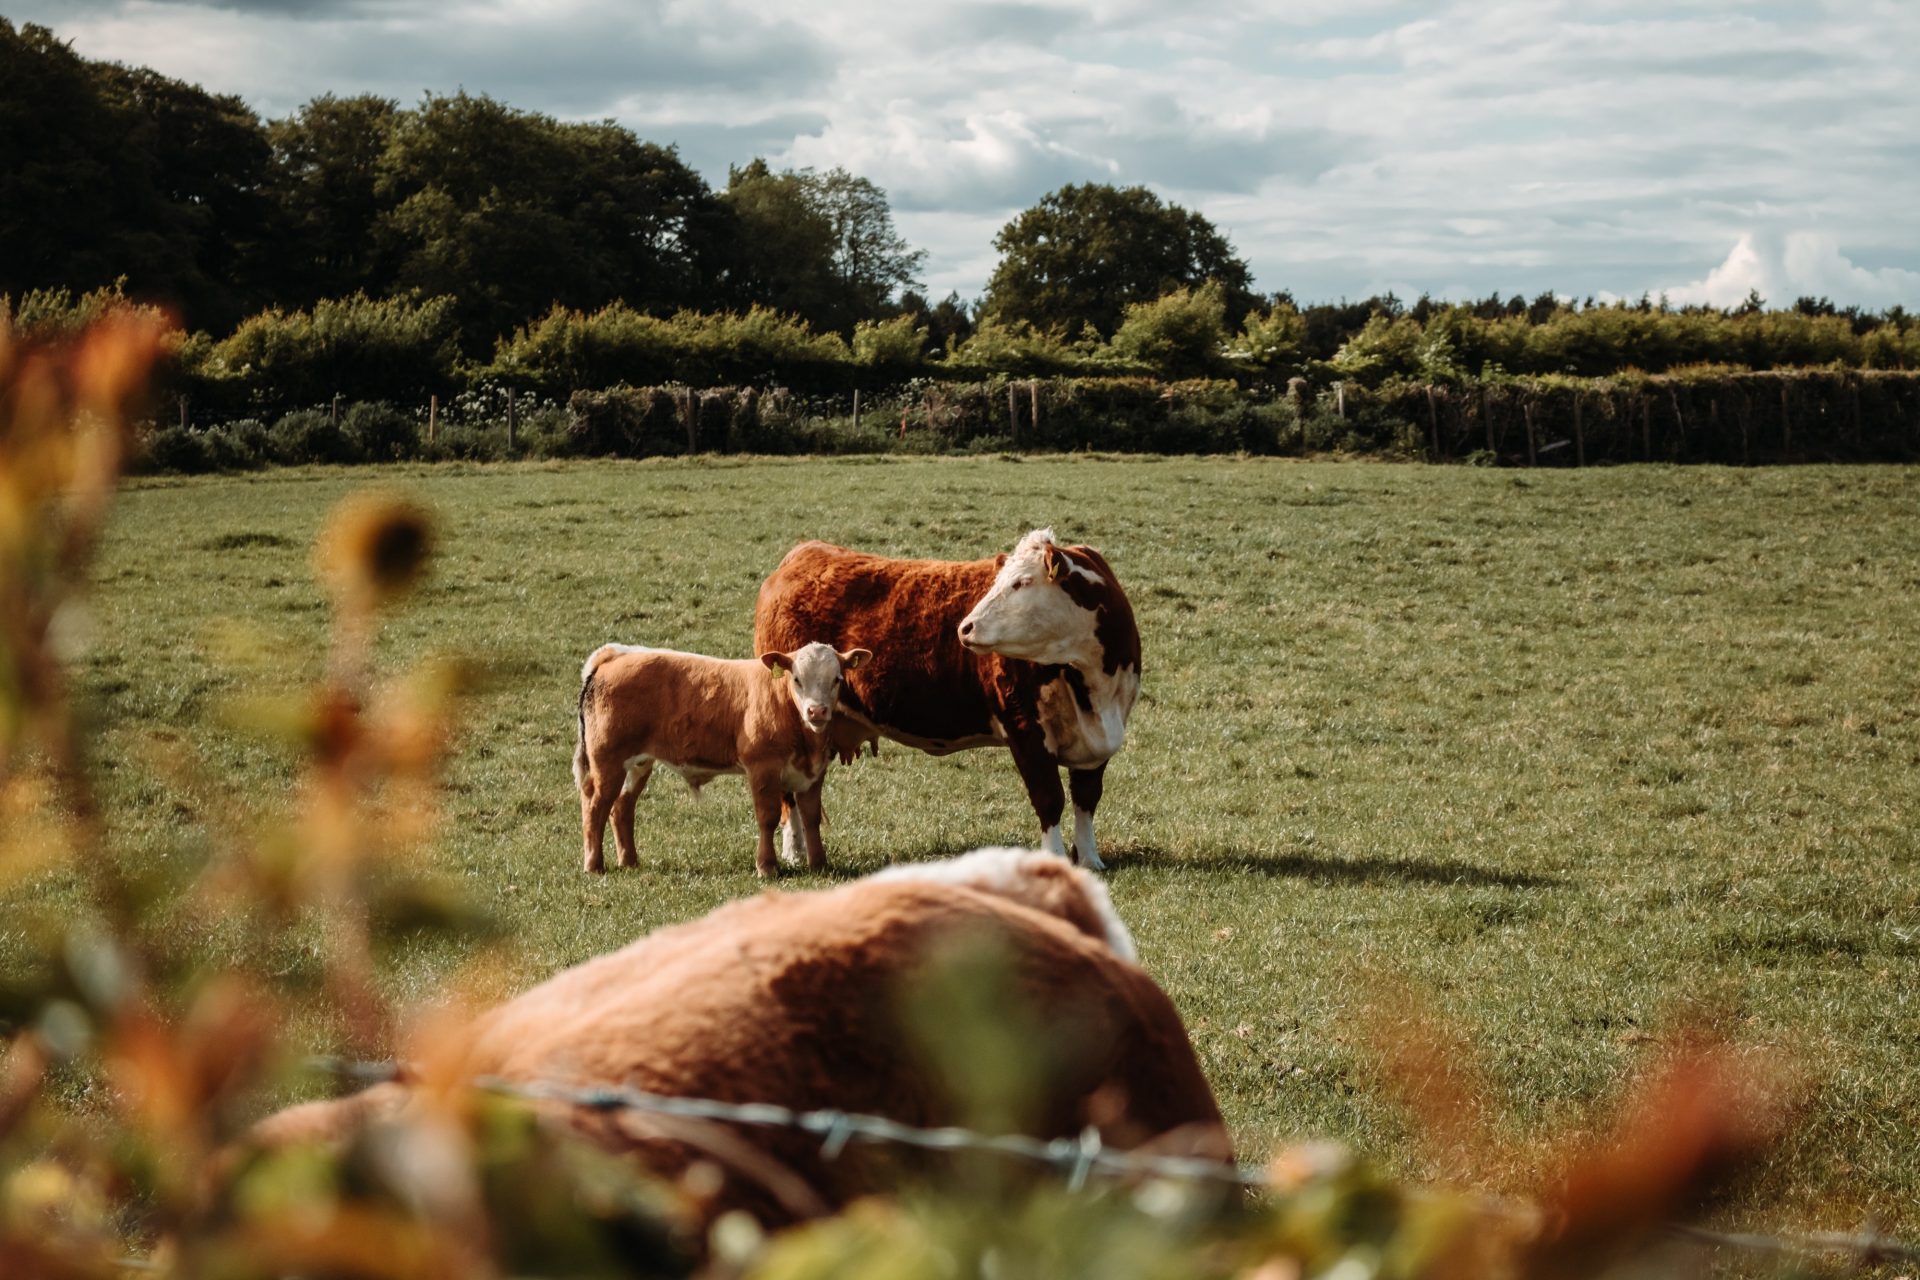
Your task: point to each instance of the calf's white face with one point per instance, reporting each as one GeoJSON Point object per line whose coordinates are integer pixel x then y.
{"type": "Point", "coordinates": [818, 676]}
{"type": "Point", "coordinates": [1026, 614]}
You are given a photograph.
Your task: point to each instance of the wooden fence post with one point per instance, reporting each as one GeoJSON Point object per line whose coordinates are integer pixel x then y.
{"type": "Point", "coordinates": [1533, 452]}
{"type": "Point", "coordinates": [1579, 432]}
{"type": "Point", "coordinates": [1033, 406]}
{"type": "Point", "coordinates": [511, 415]}
{"type": "Point", "coordinates": [1013, 412]}
{"type": "Point", "coordinates": [1433, 428]}
{"type": "Point", "coordinates": [336, 409]}
{"type": "Point", "coordinates": [183, 413]}
{"type": "Point", "coordinates": [856, 406]}
{"type": "Point", "coordinates": [433, 416]}
{"type": "Point", "coordinates": [1340, 400]}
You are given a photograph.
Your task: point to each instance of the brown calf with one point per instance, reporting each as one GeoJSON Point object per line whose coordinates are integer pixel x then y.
{"type": "Point", "coordinates": [703, 717]}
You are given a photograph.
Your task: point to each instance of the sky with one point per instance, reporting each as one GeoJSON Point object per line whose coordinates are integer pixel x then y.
{"type": "Point", "coordinates": [1346, 147]}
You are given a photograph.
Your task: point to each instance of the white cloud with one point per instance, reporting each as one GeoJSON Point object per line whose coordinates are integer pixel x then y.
{"type": "Point", "coordinates": [1799, 264]}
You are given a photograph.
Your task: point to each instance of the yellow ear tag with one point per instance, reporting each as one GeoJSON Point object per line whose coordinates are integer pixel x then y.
{"type": "Point", "coordinates": [1056, 566]}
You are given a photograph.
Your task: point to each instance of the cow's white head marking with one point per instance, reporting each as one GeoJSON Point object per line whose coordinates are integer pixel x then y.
{"type": "Point", "coordinates": [818, 676]}
{"type": "Point", "coordinates": [1028, 613]}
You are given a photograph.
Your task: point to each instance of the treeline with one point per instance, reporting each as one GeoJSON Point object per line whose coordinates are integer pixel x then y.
{"type": "Point", "coordinates": [190, 198]}
{"type": "Point", "coordinates": [355, 277]}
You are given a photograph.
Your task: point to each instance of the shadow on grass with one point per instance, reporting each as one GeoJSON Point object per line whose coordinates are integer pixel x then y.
{"type": "Point", "coordinates": [1322, 869]}
{"type": "Point", "coordinates": [1124, 858]}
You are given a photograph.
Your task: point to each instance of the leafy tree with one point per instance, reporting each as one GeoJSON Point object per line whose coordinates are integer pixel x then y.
{"type": "Point", "coordinates": [210, 163]}
{"type": "Point", "coordinates": [116, 173]}
{"type": "Point", "coordinates": [870, 258]}
{"type": "Point", "coordinates": [821, 246]}
{"type": "Point", "coordinates": [780, 253]}
{"type": "Point", "coordinates": [71, 186]}
{"type": "Point", "coordinates": [948, 321]}
{"type": "Point", "coordinates": [326, 174]}
{"type": "Point", "coordinates": [513, 212]}
{"type": "Point", "coordinates": [1079, 257]}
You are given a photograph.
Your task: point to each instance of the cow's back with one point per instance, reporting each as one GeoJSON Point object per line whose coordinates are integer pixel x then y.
{"type": "Point", "coordinates": [797, 999]}
{"type": "Point", "coordinates": [921, 681]}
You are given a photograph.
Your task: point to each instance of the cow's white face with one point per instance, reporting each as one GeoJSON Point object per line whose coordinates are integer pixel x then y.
{"type": "Point", "coordinates": [1027, 614]}
{"type": "Point", "coordinates": [818, 673]}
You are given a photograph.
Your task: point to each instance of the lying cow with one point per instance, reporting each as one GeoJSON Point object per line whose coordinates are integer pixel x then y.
{"type": "Point", "coordinates": [797, 999]}
{"type": "Point", "coordinates": [703, 717]}
{"type": "Point", "coordinates": [1036, 651]}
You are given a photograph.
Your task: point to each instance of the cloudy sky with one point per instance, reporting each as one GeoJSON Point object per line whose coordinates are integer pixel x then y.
{"type": "Point", "coordinates": [1604, 147]}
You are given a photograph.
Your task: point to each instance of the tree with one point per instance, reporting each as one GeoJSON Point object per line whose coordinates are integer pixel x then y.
{"type": "Point", "coordinates": [780, 248]}
{"type": "Point", "coordinates": [512, 212]}
{"type": "Point", "coordinates": [1080, 256]}
{"type": "Point", "coordinates": [117, 173]}
{"type": "Point", "coordinates": [948, 322]}
{"type": "Point", "coordinates": [821, 246]}
{"type": "Point", "coordinates": [210, 165]}
{"type": "Point", "coordinates": [71, 183]}
{"type": "Point", "coordinates": [870, 258]}
{"type": "Point", "coordinates": [326, 167]}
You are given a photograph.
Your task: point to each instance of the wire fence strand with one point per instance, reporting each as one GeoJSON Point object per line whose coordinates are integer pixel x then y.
{"type": "Point", "coordinates": [1076, 1159]}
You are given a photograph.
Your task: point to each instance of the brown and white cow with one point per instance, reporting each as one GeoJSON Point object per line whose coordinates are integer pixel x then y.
{"type": "Point", "coordinates": [797, 999]}
{"type": "Point", "coordinates": [1036, 651]}
{"type": "Point", "coordinates": [703, 717]}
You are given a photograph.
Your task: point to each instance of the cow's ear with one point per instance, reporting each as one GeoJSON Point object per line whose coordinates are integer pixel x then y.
{"type": "Point", "coordinates": [855, 659]}
{"type": "Point", "coordinates": [1000, 562]}
{"type": "Point", "coordinates": [777, 661]}
{"type": "Point", "coordinates": [1057, 564]}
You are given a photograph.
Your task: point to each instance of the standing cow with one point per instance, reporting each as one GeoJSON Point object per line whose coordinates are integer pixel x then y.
{"type": "Point", "coordinates": [1036, 651]}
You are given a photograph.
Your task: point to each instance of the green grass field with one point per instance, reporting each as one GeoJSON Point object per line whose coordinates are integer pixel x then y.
{"type": "Point", "coordinates": [1569, 757]}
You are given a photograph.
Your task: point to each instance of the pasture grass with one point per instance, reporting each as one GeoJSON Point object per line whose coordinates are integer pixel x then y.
{"type": "Point", "coordinates": [1568, 759]}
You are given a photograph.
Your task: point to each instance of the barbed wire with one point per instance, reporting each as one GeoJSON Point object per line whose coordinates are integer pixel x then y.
{"type": "Point", "coordinates": [1077, 1159]}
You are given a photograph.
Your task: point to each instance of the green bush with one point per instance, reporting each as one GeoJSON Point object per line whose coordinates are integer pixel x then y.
{"type": "Point", "coordinates": [395, 349]}
{"type": "Point", "coordinates": [380, 433]}
{"type": "Point", "coordinates": [895, 347]}
{"type": "Point", "coordinates": [241, 445]}
{"type": "Point", "coordinates": [177, 450]}
{"type": "Point", "coordinates": [1182, 334]}
{"type": "Point", "coordinates": [311, 435]}
{"type": "Point", "coordinates": [570, 351]}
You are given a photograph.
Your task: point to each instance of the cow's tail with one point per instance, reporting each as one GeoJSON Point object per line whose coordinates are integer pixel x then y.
{"type": "Point", "coordinates": [593, 662]}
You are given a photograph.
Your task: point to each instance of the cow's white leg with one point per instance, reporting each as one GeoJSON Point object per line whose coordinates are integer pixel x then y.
{"type": "Point", "coordinates": [1051, 842]}
{"type": "Point", "coordinates": [789, 841]}
{"type": "Point", "coordinates": [1086, 852]}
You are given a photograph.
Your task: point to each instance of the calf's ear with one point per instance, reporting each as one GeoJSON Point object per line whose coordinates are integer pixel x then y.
{"type": "Point", "coordinates": [777, 661]}
{"type": "Point", "coordinates": [854, 659]}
